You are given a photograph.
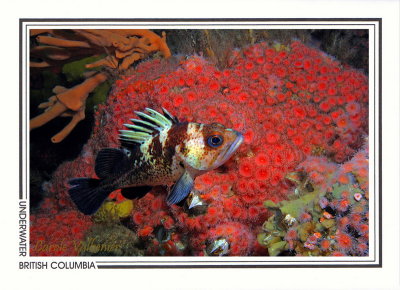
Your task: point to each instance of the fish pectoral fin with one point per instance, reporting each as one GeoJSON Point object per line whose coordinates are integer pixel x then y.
{"type": "Point", "coordinates": [181, 189]}
{"type": "Point", "coordinates": [110, 161]}
{"type": "Point", "coordinates": [135, 192]}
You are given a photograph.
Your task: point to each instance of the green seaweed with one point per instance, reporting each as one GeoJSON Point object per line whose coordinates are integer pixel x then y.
{"type": "Point", "coordinates": [296, 206]}
{"type": "Point", "coordinates": [98, 96]}
{"type": "Point", "coordinates": [276, 248]}
{"type": "Point", "coordinates": [270, 204]}
{"type": "Point", "coordinates": [75, 70]}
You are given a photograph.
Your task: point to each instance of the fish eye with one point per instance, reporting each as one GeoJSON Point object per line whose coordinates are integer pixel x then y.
{"type": "Point", "coordinates": [215, 140]}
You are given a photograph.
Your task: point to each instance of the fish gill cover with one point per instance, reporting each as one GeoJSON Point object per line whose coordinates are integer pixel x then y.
{"type": "Point", "coordinates": [304, 117]}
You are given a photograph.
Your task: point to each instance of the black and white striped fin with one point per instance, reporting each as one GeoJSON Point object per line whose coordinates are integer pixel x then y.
{"type": "Point", "coordinates": [138, 128]}
{"type": "Point", "coordinates": [155, 118]}
{"type": "Point", "coordinates": [134, 136]}
{"type": "Point", "coordinates": [144, 128]}
{"type": "Point", "coordinates": [159, 117]}
{"type": "Point", "coordinates": [148, 119]}
{"type": "Point", "coordinates": [168, 115]}
{"type": "Point", "coordinates": [144, 124]}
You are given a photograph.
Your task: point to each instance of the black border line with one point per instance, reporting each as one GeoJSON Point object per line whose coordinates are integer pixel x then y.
{"type": "Point", "coordinates": [380, 143]}
{"type": "Point", "coordinates": [228, 266]}
{"type": "Point", "coordinates": [374, 116]}
{"type": "Point", "coordinates": [26, 116]}
{"type": "Point", "coordinates": [211, 24]}
{"type": "Point", "coordinates": [194, 19]}
{"type": "Point", "coordinates": [233, 261]}
{"type": "Point", "coordinates": [20, 112]}
{"type": "Point", "coordinates": [220, 20]}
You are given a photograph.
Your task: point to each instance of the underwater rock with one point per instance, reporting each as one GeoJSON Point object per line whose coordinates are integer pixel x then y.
{"type": "Point", "coordinates": [110, 240]}
{"type": "Point", "coordinates": [293, 103]}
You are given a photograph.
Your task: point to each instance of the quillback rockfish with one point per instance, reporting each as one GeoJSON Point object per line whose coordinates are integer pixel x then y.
{"type": "Point", "coordinates": [156, 150]}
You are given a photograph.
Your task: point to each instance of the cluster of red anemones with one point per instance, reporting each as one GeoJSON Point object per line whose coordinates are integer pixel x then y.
{"type": "Point", "coordinates": [320, 170]}
{"type": "Point", "coordinates": [241, 240]}
{"type": "Point", "coordinates": [324, 173]}
{"type": "Point", "coordinates": [359, 167]}
{"type": "Point", "coordinates": [288, 103]}
{"type": "Point", "coordinates": [58, 234]}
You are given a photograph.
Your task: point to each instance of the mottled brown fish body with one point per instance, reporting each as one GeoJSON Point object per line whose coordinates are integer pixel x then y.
{"type": "Point", "coordinates": [157, 150]}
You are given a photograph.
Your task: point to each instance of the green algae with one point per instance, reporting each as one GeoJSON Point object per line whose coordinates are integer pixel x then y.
{"type": "Point", "coordinates": [75, 70]}
{"type": "Point", "coordinates": [296, 206]}
{"type": "Point", "coordinates": [98, 96]}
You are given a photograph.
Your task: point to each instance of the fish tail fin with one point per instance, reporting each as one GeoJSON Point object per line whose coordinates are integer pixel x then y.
{"type": "Point", "coordinates": [87, 194]}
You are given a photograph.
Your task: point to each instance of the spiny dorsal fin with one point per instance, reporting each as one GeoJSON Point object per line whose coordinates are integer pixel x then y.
{"type": "Point", "coordinates": [155, 118]}
{"type": "Point", "coordinates": [149, 124]}
{"type": "Point", "coordinates": [168, 115]}
{"type": "Point", "coordinates": [138, 128]}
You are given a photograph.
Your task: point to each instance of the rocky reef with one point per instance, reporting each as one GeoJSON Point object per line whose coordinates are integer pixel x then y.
{"type": "Point", "coordinates": [299, 109]}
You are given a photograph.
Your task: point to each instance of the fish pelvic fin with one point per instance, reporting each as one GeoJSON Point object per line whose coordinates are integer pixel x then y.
{"type": "Point", "coordinates": [181, 189]}
{"type": "Point", "coordinates": [135, 192]}
{"type": "Point", "coordinates": [87, 194]}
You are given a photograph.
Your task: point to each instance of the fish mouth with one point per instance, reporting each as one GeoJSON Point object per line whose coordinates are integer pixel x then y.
{"type": "Point", "coordinates": [235, 145]}
{"type": "Point", "coordinates": [231, 149]}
